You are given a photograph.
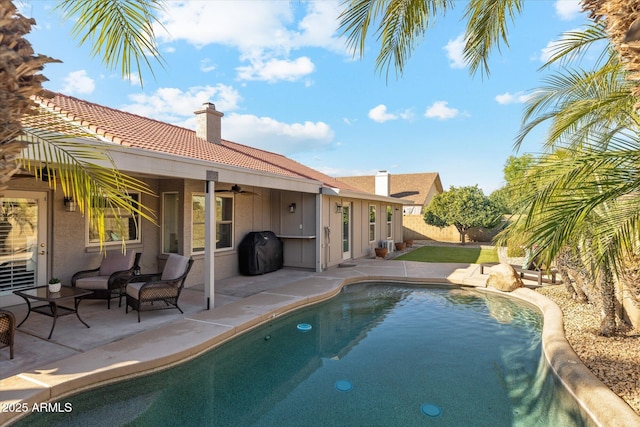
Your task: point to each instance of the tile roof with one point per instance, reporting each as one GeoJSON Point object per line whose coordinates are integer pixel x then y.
{"type": "Point", "coordinates": [410, 186]}
{"type": "Point", "coordinates": [135, 131]}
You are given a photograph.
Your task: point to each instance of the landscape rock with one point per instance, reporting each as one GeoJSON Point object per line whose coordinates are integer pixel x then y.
{"type": "Point", "coordinates": [504, 278]}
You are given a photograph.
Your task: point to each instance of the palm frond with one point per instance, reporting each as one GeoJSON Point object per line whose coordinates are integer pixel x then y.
{"type": "Point", "coordinates": [578, 103]}
{"type": "Point", "coordinates": [591, 192]}
{"type": "Point", "coordinates": [399, 25]}
{"type": "Point", "coordinates": [574, 45]}
{"type": "Point", "coordinates": [81, 163]}
{"type": "Point", "coordinates": [486, 29]}
{"type": "Point", "coordinates": [120, 32]}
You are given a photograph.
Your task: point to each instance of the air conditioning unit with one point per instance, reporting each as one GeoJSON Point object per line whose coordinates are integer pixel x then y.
{"type": "Point", "coordinates": [389, 245]}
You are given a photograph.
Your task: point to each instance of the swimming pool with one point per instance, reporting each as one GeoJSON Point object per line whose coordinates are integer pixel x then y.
{"type": "Point", "coordinates": [377, 354]}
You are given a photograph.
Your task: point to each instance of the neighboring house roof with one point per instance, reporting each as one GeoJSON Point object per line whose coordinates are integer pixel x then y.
{"type": "Point", "coordinates": [409, 186]}
{"type": "Point", "coordinates": [135, 131]}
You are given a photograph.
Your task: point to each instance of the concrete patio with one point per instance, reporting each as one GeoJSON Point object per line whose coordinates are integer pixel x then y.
{"type": "Point", "coordinates": [117, 346]}
{"type": "Point", "coordinates": [71, 338]}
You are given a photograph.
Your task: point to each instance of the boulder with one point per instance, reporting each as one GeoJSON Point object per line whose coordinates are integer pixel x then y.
{"type": "Point", "coordinates": [504, 278]}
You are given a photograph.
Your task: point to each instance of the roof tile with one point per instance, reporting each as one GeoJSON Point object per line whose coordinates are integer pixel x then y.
{"type": "Point", "coordinates": [135, 131]}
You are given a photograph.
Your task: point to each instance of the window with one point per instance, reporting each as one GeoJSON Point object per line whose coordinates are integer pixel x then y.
{"type": "Point", "coordinates": [372, 223]}
{"type": "Point", "coordinates": [197, 223]}
{"type": "Point", "coordinates": [170, 217]}
{"type": "Point", "coordinates": [224, 222]}
{"type": "Point", "coordinates": [118, 225]}
{"type": "Point", "coordinates": [389, 217]}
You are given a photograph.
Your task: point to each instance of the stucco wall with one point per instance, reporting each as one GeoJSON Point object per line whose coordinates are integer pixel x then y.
{"type": "Point", "coordinates": [416, 229]}
{"type": "Point", "coordinates": [331, 244]}
{"type": "Point", "coordinates": [298, 227]}
{"type": "Point", "coordinates": [69, 252]}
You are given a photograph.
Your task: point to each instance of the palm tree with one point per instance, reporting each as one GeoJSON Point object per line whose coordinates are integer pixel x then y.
{"type": "Point", "coordinates": [121, 32]}
{"type": "Point", "coordinates": [583, 207]}
{"type": "Point", "coordinates": [583, 211]}
{"type": "Point", "coordinates": [583, 195]}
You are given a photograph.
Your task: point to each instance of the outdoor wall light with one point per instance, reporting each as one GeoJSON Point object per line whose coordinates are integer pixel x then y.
{"type": "Point", "coordinates": [292, 208]}
{"type": "Point", "coordinates": [70, 205]}
{"type": "Point", "coordinates": [338, 207]}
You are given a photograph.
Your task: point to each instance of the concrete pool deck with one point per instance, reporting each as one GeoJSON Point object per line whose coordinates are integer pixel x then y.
{"type": "Point", "coordinates": [117, 347]}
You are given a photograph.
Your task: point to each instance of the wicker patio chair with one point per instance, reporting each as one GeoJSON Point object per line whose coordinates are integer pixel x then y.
{"type": "Point", "coordinates": [7, 329]}
{"type": "Point", "coordinates": [108, 280]}
{"type": "Point", "coordinates": [160, 290]}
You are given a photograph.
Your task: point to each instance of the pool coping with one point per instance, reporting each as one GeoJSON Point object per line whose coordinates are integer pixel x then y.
{"type": "Point", "coordinates": [190, 337]}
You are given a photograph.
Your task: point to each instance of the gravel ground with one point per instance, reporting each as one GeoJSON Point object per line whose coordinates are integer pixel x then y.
{"type": "Point", "coordinates": [615, 360]}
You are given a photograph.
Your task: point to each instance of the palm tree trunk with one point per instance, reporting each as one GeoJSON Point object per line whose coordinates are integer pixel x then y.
{"type": "Point", "coordinates": [20, 80]}
{"type": "Point", "coordinates": [619, 16]}
{"type": "Point", "coordinates": [573, 274]}
{"type": "Point", "coordinates": [609, 301]}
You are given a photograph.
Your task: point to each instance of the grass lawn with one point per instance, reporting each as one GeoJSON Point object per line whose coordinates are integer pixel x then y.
{"type": "Point", "coordinates": [451, 254]}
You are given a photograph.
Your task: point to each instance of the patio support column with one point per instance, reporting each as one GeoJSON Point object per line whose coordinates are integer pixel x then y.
{"type": "Point", "coordinates": [210, 238]}
{"type": "Point", "coordinates": [319, 231]}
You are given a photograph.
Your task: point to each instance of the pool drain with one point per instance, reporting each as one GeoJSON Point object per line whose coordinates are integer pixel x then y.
{"type": "Point", "coordinates": [304, 327]}
{"type": "Point", "coordinates": [431, 410]}
{"type": "Point", "coordinates": [343, 385]}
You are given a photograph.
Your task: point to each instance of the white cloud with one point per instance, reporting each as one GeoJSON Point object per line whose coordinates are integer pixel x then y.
{"type": "Point", "coordinates": [78, 82]}
{"type": "Point", "coordinates": [205, 22]}
{"type": "Point", "coordinates": [265, 24]}
{"type": "Point", "coordinates": [512, 98]}
{"type": "Point", "coordinates": [407, 114]}
{"type": "Point", "coordinates": [269, 31]}
{"type": "Point", "coordinates": [269, 134]}
{"type": "Point", "coordinates": [439, 110]}
{"type": "Point", "coordinates": [379, 114]}
{"type": "Point", "coordinates": [273, 70]}
{"type": "Point", "coordinates": [455, 53]}
{"type": "Point", "coordinates": [568, 9]}
{"type": "Point", "coordinates": [206, 65]}
{"type": "Point", "coordinates": [133, 79]}
{"type": "Point", "coordinates": [173, 105]}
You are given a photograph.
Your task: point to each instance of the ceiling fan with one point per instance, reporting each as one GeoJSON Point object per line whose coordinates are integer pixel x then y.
{"type": "Point", "coordinates": [235, 189]}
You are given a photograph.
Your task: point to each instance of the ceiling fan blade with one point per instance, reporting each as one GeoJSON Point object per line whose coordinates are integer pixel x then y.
{"type": "Point", "coordinates": [236, 189]}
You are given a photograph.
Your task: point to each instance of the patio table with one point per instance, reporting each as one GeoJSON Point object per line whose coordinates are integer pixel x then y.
{"type": "Point", "coordinates": [52, 309]}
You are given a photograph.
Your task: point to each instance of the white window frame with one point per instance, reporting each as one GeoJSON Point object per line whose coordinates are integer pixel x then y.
{"type": "Point", "coordinates": [175, 221]}
{"type": "Point", "coordinates": [200, 223]}
{"type": "Point", "coordinates": [136, 223]}
{"type": "Point", "coordinates": [372, 223]}
{"type": "Point", "coordinates": [389, 222]}
{"type": "Point", "coordinates": [230, 221]}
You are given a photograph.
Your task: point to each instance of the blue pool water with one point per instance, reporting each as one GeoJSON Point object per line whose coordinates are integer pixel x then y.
{"type": "Point", "coordinates": [376, 355]}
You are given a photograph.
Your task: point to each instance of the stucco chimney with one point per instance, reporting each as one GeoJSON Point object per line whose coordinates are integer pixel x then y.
{"type": "Point", "coordinates": [382, 183]}
{"type": "Point", "coordinates": [209, 123]}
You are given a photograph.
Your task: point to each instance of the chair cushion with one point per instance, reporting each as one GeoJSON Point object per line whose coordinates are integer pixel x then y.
{"type": "Point", "coordinates": [93, 282]}
{"type": "Point", "coordinates": [175, 267]}
{"type": "Point", "coordinates": [116, 261]}
{"type": "Point", "coordinates": [133, 289]}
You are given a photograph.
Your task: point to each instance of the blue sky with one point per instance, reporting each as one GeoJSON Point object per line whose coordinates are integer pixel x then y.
{"type": "Point", "coordinates": [286, 82]}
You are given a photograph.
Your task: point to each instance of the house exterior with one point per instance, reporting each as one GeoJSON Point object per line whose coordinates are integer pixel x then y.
{"type": "Point", "coordinates": [209, 193]}
{"type": "Point", "coordinates": [416, 188]}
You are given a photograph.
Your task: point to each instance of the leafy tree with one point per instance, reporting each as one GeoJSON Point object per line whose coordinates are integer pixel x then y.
{"type": "Point", "coordinates": [515, 168]}
{"type": "Point", "coordinates": [122, 33]}
{"type": "Point", "coordinates": [464, 208]}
